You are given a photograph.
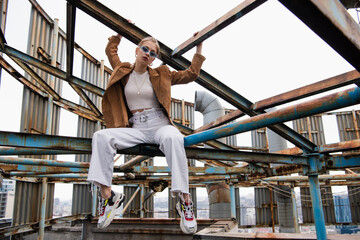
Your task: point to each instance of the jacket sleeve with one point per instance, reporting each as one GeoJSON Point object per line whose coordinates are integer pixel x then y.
{"type": "Point", "coordinates": [111, 51]}
{"type": "Point", "coordinates": [190, 74]}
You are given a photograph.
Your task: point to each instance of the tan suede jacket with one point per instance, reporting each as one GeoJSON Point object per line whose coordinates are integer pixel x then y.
{"type": "Point", "coordinates": [115, 110]}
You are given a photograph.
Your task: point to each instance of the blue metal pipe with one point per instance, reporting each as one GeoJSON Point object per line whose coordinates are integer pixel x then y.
{"type": "Point", "coordinates": [43, 162]}
{"type": "Point", "coordinates": [331, 102]}
{"type": "Point", "coordinates": [233, 201]}
{"type": "Point", "coordinates": [45, 141]}
{"type": "Point", "coordinates": [35, 151]}
{"type": "Point", "coordinates": [317, 207]}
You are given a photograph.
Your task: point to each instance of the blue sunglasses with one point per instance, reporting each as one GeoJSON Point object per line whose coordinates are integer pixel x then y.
{"type": "Point", "coordinates": [145, 49]}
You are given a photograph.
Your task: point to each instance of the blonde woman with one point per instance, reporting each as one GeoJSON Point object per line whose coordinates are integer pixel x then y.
{"type": "Point", "coordinates": [136, 109]}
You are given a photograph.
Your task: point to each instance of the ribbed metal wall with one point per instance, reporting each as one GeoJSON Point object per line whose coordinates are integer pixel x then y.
{"type": "Point", "coordinates": [311, 128]}
{"type": "Point", "coordinates": [348, 127]}
{"type": "Point", "coordinates": [263, 207]}
{"type": "Point", "coordinates": [327, 201]}
{"type": "Point", "coordinates": [34, 116]}
{"type": "Point", "coordinates": [262, 195]}
{"type": "Point", "coordinates": [27, 202]}
{"type": "Point", "coordinates": [92, 73]}
{"type": "Point", "coordinates": [258, 138]}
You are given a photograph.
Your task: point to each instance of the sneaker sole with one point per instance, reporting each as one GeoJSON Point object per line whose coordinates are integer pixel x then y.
{"type": "Point", "coordinates": [112, 212]}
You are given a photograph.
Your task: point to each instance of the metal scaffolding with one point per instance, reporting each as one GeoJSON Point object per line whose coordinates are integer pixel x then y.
{"type": "Point", "coordinates": [46, 67]}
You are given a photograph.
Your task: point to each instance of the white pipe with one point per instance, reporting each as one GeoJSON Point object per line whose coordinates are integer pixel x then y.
{"type": "Point", "coordinates": [209, 106]}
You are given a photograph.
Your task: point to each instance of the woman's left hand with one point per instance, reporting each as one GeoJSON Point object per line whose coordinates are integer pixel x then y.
{"type": "Point", "coordinates": [199, 46]}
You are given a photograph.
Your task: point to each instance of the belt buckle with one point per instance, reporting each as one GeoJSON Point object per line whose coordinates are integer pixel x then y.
{"type": "Point", "coordinates": [143, 118]}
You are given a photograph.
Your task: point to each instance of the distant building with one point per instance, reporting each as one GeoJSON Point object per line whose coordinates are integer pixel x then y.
{"type": "Point", "coordinates": [7, 192]}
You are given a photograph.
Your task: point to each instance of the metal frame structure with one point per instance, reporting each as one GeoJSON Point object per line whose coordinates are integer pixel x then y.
{"type": "Point", "coordinates": [328, 19]}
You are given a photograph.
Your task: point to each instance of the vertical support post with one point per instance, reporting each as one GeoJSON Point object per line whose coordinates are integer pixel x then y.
{"type": "Point", "coordinates": [317, 207]}
{"type": "Point", "coordinates": [272, 209]}
{"type": "Point", "coordinates": [54, 47]}
{"type": "Point", "coordinates": [183, 112]}
{"type": "Point", "coordinates": [44, 191]}
{"type": "Point", "coordinates": [233, 201]}
{"type": "Point", "coordinates": [308, 122]}
{"type": "Point", "coordinates": [295, 215]}
{"type": "Point", "coordinates": [356, 127]}
{"type": "Point", "coordinates": [94, 198]}
{"type": "Point", "coordinates": [142, 193]}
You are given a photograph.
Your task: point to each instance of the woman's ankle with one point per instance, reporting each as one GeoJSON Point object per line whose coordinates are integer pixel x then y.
{"type": "Point", "coordinates": [105, 191]}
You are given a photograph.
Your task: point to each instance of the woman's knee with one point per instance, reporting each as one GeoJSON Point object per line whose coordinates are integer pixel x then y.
{"type": "Point", "coordinates": [98, 136]}
{"type": "Point", "coordinates": [173, 138]}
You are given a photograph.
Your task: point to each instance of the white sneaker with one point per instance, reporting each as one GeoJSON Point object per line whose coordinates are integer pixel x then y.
{"type": "Point", "coordinates": [107, 208]}
{"type": "Point", "coordinates": [188, 221]}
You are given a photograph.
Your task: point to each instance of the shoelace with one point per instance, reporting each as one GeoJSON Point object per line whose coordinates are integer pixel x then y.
{"type": "Point", "coordinates": [189, 214]}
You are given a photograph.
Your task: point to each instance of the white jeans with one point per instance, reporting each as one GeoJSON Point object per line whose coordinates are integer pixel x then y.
{"type": "Point", "coordinates": [149, 126]}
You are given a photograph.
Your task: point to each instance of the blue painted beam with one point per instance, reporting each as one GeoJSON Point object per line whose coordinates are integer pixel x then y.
{"type": "Point", "coordinates": [341, 162]}
{"type": "Point", "coordinates": [14, 139]}
{"type": "Point", "coordinates": [35, 151]}
{"type": "Point", "coordinates": [43, 162]}
{"type": "Point", "coordinates": [331, 102]}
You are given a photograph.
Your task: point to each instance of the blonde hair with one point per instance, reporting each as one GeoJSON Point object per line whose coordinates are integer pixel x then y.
{"type": "Point", "coordinates": [151, 39]}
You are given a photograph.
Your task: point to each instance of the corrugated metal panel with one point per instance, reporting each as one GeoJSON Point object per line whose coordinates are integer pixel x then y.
{"type": "Point", "coordinates": [34, 113]}
{"type": "Point", "coordinates": [327, 201]}
{"type": "Point", "coordinates": [90, 72]}
{"type": "Point", "coordinates": [311, 128]}
{"type": "Point", "coordinates": [258, 138]}
{"type": "Point", "coordinates": [262, 206]}
{"type": "Point", "coordinates": [285, 208]}
{"type": "Point", "coordinates": [354, 200]}
{"type": "Point", "coordinates": [27, 202]}
{"type": "Point", "coordinates": [348, 125]}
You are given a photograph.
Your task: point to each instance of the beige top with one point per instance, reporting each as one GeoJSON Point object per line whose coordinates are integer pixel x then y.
{"type": "Point", "coordinates": [139, 92]}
